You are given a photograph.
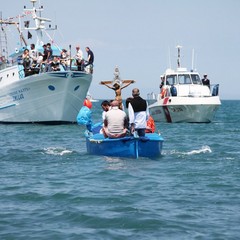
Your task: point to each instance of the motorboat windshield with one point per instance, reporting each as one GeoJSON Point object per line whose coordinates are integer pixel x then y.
{"type": "Point", "coordinates": [186, 78]}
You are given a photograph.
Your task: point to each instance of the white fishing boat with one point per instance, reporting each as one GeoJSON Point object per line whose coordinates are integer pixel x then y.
{"type": "Point", "coordinates": [184, 98]}
{"type": "Point", "coordinates": [39, 95]}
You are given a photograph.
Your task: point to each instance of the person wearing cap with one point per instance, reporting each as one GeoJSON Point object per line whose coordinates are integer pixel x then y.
{"type": "Point", "coordinates": [205, 80]}
{"type": "Point", "coordinates": [85, 115]}
{"type": "Point", "coordinates": [115, 122]}
{"type": "Point", "coordinates": [138, 113]}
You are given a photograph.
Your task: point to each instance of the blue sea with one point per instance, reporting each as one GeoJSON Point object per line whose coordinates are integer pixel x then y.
{"type": "Point", "coordinates": [50, 188]}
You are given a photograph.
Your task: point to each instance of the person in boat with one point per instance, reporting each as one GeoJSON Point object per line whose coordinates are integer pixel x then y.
{"type": "Point", "coordinates": [205, 80]}
{"type": "Point", "coordinates": [105, 106]}
{"type": "Point", "coordinates": [85, 115]}
{"type": "Point", "coordinates": [90, 59]}
{"type": "Point", "coordinates": [65, 58]}
{"type": "Point", "coordinates": [90, 54]}
{"type": "Point", "coordinates": [115, 122]}
{"type": "Point", "coordinates": [26, 61]}
{"type": "Point", "coordinates": [128, 100]}
{"type": "Point", "coordinates": [163, 90]}
{"type": "Point", "coordinates": [118, 90]}
{"type": "Point", "coordinates": [162, 82]}
{"type": "Point", "coordinates": [150, 122]}
{"type": "Point", "coordinates": [45, 53]}
{"type": "Point", "coordinates": [55, 64]}
{"type": "Point", "coordinates": [45, 57]}
{"type": "Point", "coordinates": [49, 52]}
{"type": "Point", "coordinates": [79, 58]}
{"type": "Point", "coordinates": [138, 113]}
{"type": "Point", "coordinates": [33, 55]}
{"type": "Point", "coordinates": [39, 58]}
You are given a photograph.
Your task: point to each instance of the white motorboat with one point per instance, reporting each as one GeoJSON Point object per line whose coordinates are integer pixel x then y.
{"type": "Point", "coordinates": [41, 96]}
{"type": "Point", "coordinates": [89, 96]}
{"type": "Point", "coordinates": [184, 98]}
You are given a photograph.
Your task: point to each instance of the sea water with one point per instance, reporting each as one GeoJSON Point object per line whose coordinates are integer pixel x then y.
{"type": "Point", "coordinates": [50, 188]}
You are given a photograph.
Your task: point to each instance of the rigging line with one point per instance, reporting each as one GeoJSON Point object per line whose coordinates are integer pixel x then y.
{"type": "Point", "coordinates": [52, 40]}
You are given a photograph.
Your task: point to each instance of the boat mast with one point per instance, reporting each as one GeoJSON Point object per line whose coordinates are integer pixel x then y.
{"type": "Point", "coordinates": [192, 59]}
{"type": "Point", "coordinates": [3, 43]}
{"type": "Point", "coordinates": [39, 22]}
{"type": "Point", "coordinates": [178, 60]}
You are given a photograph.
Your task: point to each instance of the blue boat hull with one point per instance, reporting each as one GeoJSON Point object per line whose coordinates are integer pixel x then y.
{"type": "Point", "coordinates": [149, 146]}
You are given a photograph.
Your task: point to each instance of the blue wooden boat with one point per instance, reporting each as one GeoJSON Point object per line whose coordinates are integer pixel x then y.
{"type": "Point", "coordinates": [149, 146]}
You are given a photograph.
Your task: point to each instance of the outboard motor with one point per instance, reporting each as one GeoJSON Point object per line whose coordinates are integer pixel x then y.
{"type": "Point", "coordinates": [173, 91]}
{"type": "Point", "coordinates": [215, 90]}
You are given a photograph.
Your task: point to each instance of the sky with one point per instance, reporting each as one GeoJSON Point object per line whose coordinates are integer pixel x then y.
{"type": "Point", "coordinates": [140, 37]}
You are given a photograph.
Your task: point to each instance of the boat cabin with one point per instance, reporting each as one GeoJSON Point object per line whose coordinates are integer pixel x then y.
{"type": "Point", "coordinates": [184, 83]}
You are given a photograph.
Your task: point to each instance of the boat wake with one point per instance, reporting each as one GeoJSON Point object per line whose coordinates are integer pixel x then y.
{"type": "Point", "coordinates": [203, 149]}
{"type": "Point", "coordinates": [57, 151]}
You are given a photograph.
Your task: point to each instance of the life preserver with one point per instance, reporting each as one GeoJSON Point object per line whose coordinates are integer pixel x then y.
{"type": "Point", "coordinates": [150, 125]}
{"type": "Point", "coordinates": [87, 103]}
{"type": "Point", "coordinates": [163, 92]}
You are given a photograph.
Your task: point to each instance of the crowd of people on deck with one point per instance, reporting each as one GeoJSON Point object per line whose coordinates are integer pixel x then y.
{"type": "Point", "coordinates": [35, 61]}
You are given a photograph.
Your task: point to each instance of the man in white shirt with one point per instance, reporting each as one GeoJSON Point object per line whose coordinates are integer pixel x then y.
{"type": "Point", "coordinates": [138, 113]}
{"type": "Point", "coordinates": [115, 122]}
{"type": "Point", "coordinates": [79, 58]}
{"type": "Point", "coordinates": [105, 106]}
{"type": "Point", "coordinates": [33, 54]}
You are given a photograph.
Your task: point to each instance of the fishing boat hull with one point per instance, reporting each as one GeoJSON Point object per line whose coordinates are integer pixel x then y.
{"type": "Point", "coordinates": [51, 97]}
{"type": "Point", "coordinates": [185, 109]}
{"type": "Point", "coordinates": [149, 146]}
{"type": "Point", "coordinates": [38, 84]}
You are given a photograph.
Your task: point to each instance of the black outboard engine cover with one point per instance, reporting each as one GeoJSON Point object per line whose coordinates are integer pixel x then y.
{"type": "Point", "coordinates": [215, 90]}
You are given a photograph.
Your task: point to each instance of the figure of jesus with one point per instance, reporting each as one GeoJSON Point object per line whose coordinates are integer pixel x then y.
{"type": "Point", "coordinates": [117, 85]}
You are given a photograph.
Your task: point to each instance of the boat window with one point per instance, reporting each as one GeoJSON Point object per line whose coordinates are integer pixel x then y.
{"type": "Point", "coordinates": [196, 79]}
{"type": "Point", "coordinates": [171, 79]}
{"type": "Point", "coordinates": [184, 79]}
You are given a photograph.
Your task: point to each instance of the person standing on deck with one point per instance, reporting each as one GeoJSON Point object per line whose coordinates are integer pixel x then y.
{"type": "Point", "coordinates": [90, 58]}
{"type": "Point", "coordinates": [79, 59]}
{"type": "Point", "coordinates": [205, 80]}
{"type": "Point", "coordinates": [49, 52]}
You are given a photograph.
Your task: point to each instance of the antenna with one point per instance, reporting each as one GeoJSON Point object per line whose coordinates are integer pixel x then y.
{"type": "Point", "coordinates": [192, 59]}
{"type": "Point", "coordinates": [178, 60]}
{"type": "Point", "coordinates": [33, 2]}
{"type": "Point", "coordinates": [169, 57]}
